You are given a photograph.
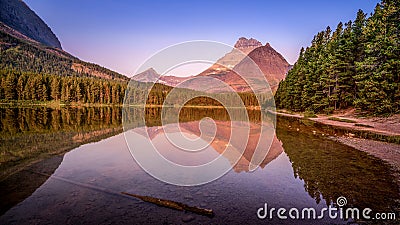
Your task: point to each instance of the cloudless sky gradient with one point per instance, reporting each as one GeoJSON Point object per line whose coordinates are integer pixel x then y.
{"type": "Point", "coordinates": [122, 34]}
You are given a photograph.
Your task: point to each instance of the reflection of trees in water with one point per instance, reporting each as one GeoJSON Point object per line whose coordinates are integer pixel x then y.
{"type": "Point", "coordinates": [15, 121]}
{"type": "Point", "coordinates": [151, 116]}
{"type": "Point", "coordinates": [28, 133]}
{"type": "Point", "coordinates": [189, 118]}
{"type": "Point", "coordinates": [328, 169]}
{"type": "Point", "coordinates": [331, 170]}
{"type": "Point", "coordinates": [31, 134]}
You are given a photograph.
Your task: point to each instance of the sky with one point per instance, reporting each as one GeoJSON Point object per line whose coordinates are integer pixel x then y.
{"type": "Point", "coordinates": [122, 34]}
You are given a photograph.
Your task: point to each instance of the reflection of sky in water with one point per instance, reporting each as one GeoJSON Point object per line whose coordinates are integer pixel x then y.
{"type": "Point", "coordinates": [184, 157]}
{"type": "Point", "coordinates": [108, 164]}
{"type": "Point", "coordinates": [169, 155]}
{"type": "Point", "coordinates": [109, 167]}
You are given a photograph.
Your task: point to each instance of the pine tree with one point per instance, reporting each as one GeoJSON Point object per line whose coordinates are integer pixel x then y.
{"type": "Point", "coordinates": [55, 89]}
{"type": "Point", "coordinates": [21, 87]}
{"type": "Point", "coordinates": [10, 86]}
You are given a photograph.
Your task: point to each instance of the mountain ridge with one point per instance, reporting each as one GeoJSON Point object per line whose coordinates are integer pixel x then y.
{"type": "Point", "coordinates": [17, 15]}
{"type": "Point", "coordinates": [271, 63]}
{"type": "Point", "coordinates": [22, 53]}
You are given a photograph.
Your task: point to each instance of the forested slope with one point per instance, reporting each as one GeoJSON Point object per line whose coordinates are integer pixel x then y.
{"type": "Point", "coordinates": [19, 53]}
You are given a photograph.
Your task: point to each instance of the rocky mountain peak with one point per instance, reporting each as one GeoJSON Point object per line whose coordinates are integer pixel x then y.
{"type": "Point", "coordinates": [244, 43]}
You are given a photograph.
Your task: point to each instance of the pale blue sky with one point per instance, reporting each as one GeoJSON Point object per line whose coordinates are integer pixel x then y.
{"type": "Point", "coordinates": [121, 35]}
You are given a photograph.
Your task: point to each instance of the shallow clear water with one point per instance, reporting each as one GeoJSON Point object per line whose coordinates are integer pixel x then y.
{"type": "Point", "coordinates": [300, 170]}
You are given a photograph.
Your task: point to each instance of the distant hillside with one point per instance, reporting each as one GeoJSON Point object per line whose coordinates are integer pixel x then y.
{"type": "Point", "coordinates": [150, 75]}
{"type": "Point", "coordinates": [21, 53]}
{"type": "Point", "coordinates": [17, 15]}
{"type": "Point", "coordinates": [357, 65]}
{"type": "Point", "coordinates": [28, 45]}
{"type": "Point", "coordinates": [33, 67]}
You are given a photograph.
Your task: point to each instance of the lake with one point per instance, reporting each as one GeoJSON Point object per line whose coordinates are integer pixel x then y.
{"type": "Point", "coordinates": [70, 165]}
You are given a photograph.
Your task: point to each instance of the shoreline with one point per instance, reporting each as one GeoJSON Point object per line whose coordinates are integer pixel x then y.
{"type": "Point", "coordinates": [361, 138]}
{"type": "Point", "coordinates": [387, 152]}
{"type": "Point", "coordinates": [375, 128]}
{"type": "Point", "coordinates": [56, 104]}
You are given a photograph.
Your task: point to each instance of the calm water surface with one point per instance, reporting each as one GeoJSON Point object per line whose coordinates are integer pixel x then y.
{"type": "Point", "coordinates": [300, 170]}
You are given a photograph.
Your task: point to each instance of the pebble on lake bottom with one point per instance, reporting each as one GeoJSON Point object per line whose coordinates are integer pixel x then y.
{"type": "Point", "coordinates": [188, 218]}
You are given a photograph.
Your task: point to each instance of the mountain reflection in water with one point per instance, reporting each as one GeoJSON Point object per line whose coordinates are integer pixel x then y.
{"type": "Point", "coordinates": [301, 170]}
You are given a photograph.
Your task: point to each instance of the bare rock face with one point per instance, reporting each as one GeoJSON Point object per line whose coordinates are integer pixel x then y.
{"type": "Point", "coordinates": [271, 63]}
{"type": "Point", "coordinates": [247, 45]}
{"type": "Point", "coordinates": [242, 47]}
{"type": "Point", "coordinates": [17, 15]}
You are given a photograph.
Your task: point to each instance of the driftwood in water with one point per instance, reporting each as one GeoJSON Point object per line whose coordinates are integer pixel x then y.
{"type": "Point", "coordinates": [173, 205]}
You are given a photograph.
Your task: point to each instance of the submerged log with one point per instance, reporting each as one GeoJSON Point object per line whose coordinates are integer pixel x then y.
{"type": "Point", "coordinates": [173, 205]}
